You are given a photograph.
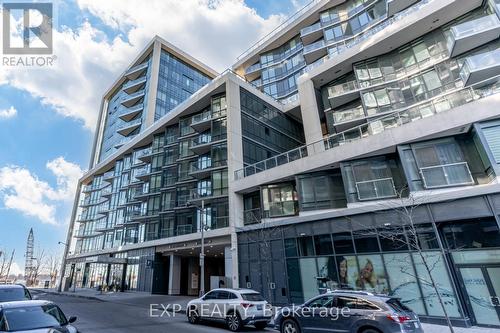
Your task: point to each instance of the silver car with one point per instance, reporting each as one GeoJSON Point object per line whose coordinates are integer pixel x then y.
{"type": "Point", "coordinates": [350, 312]}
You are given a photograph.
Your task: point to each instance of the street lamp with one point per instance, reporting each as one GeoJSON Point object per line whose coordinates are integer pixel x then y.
{"type": "Point", "coordinates": [63, 266]}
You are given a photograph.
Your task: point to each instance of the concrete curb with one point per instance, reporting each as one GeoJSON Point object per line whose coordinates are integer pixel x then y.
{"type": "Point", "coordinates": [76, 295]}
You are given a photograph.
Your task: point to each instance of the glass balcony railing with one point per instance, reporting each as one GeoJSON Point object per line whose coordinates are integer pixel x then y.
{"type": "Point", "coordinates": [131, 123]}
{"type": "Point", "coordinates": [452, 174]}
{"type": "Point", "coordinates": [144, 153]}
{"type": "Point", "coordinates": [320, 44]}
{"type": "Point", "coordinates": [397, 118]}
{"type": "Point", "coordinates": [254, 68]}
{"type": "Point", "coordinates": [471, 34]}
{"type": "Point", "coordinates": [380, 25]}
{"type": "Point", "coordinates": [474, 27]}
{"type": "Point", "coordinates": [142, 171]}
{"type": "Point", "coordinates": [382, 188]}
{"type": "Point", "coordinates": [312, 28]}
{"type": "Point", "coordinates": [135, 82]}
{"type": "Point", "coordinates": [479, 66]}
{"type": "Point", "coordinates": [348, 115]}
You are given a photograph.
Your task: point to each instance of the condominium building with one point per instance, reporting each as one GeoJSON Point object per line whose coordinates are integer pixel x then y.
{"type": "Point", "coordinates": [357, 146]}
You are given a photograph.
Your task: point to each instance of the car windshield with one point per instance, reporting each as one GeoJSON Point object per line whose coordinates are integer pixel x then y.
{"type": "Point", "coordinates": [12, 294]}
{"type": "Point", "coordinates": [396, 304]}
{"type": "Point", "coordinates": [33, 317]}
{"type": "Point", "coordinates": [253, 297]}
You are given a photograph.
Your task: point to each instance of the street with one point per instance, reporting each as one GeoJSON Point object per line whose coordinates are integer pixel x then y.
{"type": "Point", "coordinates": [118, 317]}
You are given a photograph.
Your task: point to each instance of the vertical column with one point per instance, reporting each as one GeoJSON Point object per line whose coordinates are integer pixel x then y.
{"type": "Point", "coordinates": [153, 84]}
{"type": "Point", "coordinates": [235, 162]}
{"type": "Point", "coordinates": [228, 264]}
{"type": "Point", "coordinates": [174, 276]}
{"type": "Point", "coordinates": [310, 116]}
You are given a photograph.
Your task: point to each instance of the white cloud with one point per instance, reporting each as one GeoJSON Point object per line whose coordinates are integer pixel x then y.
{"type": "Point", "coordinates": [214, 31]}
{"type": "Point", "coordinates": [8, 113]}
{"type": "Point", "coordinates": [22, 191]}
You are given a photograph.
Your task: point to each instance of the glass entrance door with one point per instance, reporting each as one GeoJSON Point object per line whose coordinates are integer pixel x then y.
{"type": "Point", "coordinates": [482, 285]}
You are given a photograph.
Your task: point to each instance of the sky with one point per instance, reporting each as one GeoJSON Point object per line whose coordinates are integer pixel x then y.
{"type": "Point", "coordinates": [48, 114]}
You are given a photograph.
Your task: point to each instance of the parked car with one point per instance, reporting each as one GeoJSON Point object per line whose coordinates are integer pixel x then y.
{"type": "Point", "coordinates": [34, 316]}
{"type": "Point", "coordinates": [14, 292]}
{"type": "Point", "coordinates": [348, 311]}
{"type": "Point", "coordinates": [235, 307]}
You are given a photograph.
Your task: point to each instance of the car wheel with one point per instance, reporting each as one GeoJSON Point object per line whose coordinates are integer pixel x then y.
{"type": "Point", "coordinates": [233, 321]}
{"type": "Point", "coordinates": [193, 316]}
{"type": "Point", "coordinates": [290, 326]}
{"type": "Point", "coordinates": [370, 330]}
{"type": "Point", "coordinates": [260, 325]}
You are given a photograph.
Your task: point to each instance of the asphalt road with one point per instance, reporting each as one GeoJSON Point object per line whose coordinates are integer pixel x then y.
{"type": "Point", "coordinates": [110, 317]}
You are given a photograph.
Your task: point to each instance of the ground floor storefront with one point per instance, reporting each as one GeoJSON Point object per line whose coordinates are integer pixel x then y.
{"type": "Point", "coordinates": [459, 246]}
{"type": "Point", "coordinates": [172, 269]}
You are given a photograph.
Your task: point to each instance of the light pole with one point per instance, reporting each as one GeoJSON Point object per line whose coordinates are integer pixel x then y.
{"type": "Point", "coordinates": [63, 265]}
{"type": "Point", "coordinates": [202, 250]}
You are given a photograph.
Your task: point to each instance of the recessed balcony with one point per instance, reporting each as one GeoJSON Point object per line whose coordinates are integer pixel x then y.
{"type": "Point", "coordinates": [253, 72]}
{"type": "Point", "coordinates": [206, 194]}
{"type": "Point", "coordinates": [341, 94]}
{"type": "Point", "coordinates": [132, 112]}
{"type": "Point", "coordinates": [374, 189]}
{"type": "Point", "coordinates": [315, 51]}
{"type": "Point", "coordinates": [395, 6]}
{"type": "Point", "coordinates": [471, 34]}
{"type": "Point", "coordinates": [134, 85]}
{"type": "Point", "coordinates": [480, 68]}
{"type": "Point", "coordinates": [345, 119]}
{"type": "Point", "coordinates": [145, 155]}
{"type": "Point", "coordinates": [311, 33]}
{"type": "Point", "coordinates": [446, 175]}
{"type": "Point", "coordinates": [202, 122]}
{"type": "Point", "coordinates": [129, 127]}
{"type": "Point", "coordinates": [204, 170]}
{"type": "Point", "coordinates": [203, 144]}
{"type": "Point", "coordinates": [132, 99]}
{"type": "Point", "coordinates": [136, 71]}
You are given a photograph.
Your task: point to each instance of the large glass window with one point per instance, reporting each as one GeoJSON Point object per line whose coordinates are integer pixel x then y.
{"type": "Point", "coordinates": [373, 180]}
{"type": "Point", "coordinates": [481, 233]}
{"type": "Point", "coordinates": [321, 191]}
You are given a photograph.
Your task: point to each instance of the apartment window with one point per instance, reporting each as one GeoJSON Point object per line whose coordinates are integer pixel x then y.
{"type": "Point", "coordinates": [220, 182]}
{"type": "Point", "coordinates": [168, 200]}
{"type": "Point", "coordinates": [492, 135]}
{"type": "Point", "coordinates": [154, 205]}
{"type": "Point", "coordinates": [155, 183]}
{"type": "Point", "coordinates": [472, 234]}
{"type": "Point", "coordinates": [442, 164]}
{"type": "Point", "coordinates": [279, 200]}
{"type": "Point", "coordinates": [373, 180]}
{"type": "Point", "coordinates": [321, 191]}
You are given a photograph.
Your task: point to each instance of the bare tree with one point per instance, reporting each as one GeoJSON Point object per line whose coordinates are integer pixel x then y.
{"type": "Point", "coordinates": [51, 267]}
{"type": "Point", "coordinates": [5, 264]}
{"type": "Point", "coordinates": [405, 223]}
{"type": "Point", "coordinates": [37, 268]}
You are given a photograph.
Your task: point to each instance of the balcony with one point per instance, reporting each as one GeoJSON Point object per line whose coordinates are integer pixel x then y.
{"type": "Point", "coordinates": [252, 216]}
{"type": "Point", "coordinates": [143, 173]}
{"type": "Point", "coordinates": [145, 155]}
{"type": "Point", "coordinates": [397, 118]}
{"type": "Point", "coordinates": [131, 113]}
{"type": "Point", "coordinates": [343, 93]}
{"type": "Point", "coordinates": [315, 51]}
{"type": "Point", "coordinates": [376, 189]}
{"type": "Point", "coordinates": [311, 33]}
{"type": "Point", "coordinates": [127, 128]}
{"type": "Point", "coordinates": [344, 119]}
{"type": "Point", "coordinates": [395, 6]}
{"type": "Point", "coordinates": [202, 122]}
{"type": "Point", "coordinates": [446, 175]}
{"type": "Point", "coordinates": [203, 143]}
{"type": "Point", "coordinates": [203, 170]}
{"type": "Point", "coordinates": [471, 34]}
{"type": "Point", "coordinates": [108, 176]}
{"type": "Point", "coordinates": [480, 67]}
{"type": "Point", "coordinates": [134, 85]}
{"type": "Point", "coordinates": [132, 99]}
{"type": "Point", "coordinates": [253, 72]}
{"type": "Point", "coordinates": [206, 194]}
{"type": "Point", "coordinates": [136, 71]}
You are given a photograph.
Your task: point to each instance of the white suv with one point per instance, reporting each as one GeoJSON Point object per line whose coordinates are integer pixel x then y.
{"type": "Point", "coordinates": [237, 307]}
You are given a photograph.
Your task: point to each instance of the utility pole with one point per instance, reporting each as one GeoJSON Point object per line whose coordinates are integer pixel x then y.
{"type": "Point", "coordinates": [202, 250]}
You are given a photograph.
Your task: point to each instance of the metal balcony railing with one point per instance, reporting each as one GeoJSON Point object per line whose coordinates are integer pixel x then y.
{"type": "Point", "coordinates": [252, 216]}
{"type": "Point", "coordinates": [376, 189]}
{"type": "Point", "coordinates": [446, 175]}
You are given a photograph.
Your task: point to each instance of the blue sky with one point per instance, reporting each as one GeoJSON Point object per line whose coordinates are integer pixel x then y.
{"type": "Point", "coordinates": [47, 116]}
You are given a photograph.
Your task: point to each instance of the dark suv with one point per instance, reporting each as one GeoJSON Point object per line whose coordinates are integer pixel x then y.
{"type": "Point", "coordinates": [348, 311]}
{"type": "Point", "coordinates": [14, 292]}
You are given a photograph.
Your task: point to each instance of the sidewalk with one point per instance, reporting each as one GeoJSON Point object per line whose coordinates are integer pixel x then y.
{"type": "Point", "coordinates": [430, 328]}
{"type": "Point", "coordinates": [136, 298]}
